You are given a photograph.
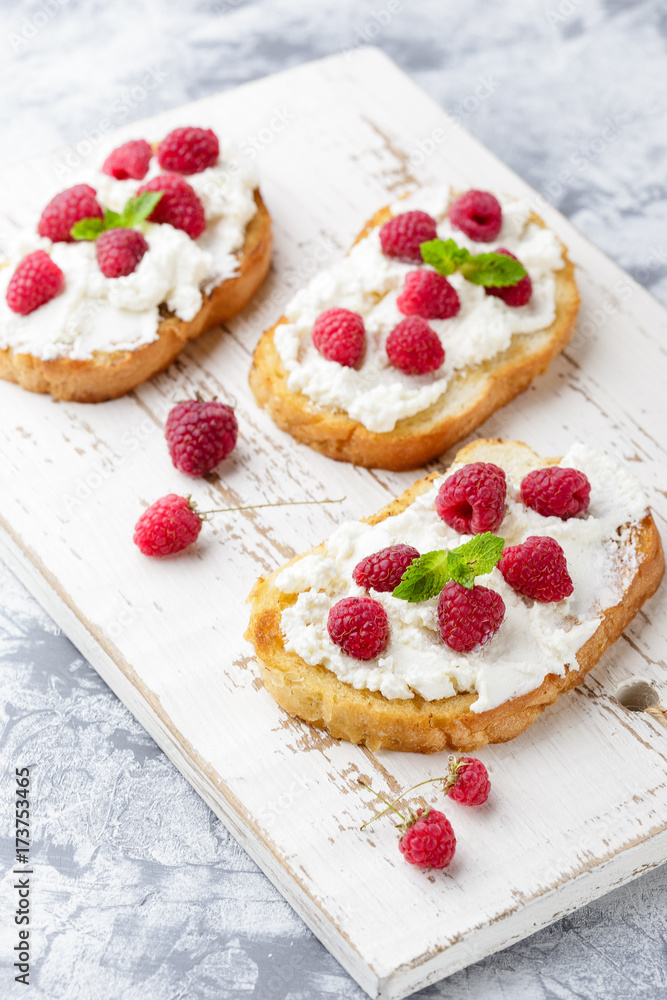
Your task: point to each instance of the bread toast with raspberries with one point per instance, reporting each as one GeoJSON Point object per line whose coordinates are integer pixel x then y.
{"type": "Point", "coordinates": [315, 693]}
{"type": "Point", "coordinates": [471, 396]}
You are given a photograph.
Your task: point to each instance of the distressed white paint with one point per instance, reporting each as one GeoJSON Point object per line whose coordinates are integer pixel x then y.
{"type": "Point", "coordinates": [580, 801]}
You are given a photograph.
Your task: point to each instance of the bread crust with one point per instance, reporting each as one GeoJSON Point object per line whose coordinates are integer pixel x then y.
{"type": "Point", "coordinates": [317, 696]}
{"type": "Point", "coordinates": [108, 375]}
{"type": "Point", "coordinates": [471, 397]}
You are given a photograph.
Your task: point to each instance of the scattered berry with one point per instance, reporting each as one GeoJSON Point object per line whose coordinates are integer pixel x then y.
{"type": "Point", "coordinates": [359, 626]}
{"type": "Point", "coordinates": [119, 251]}
{"type": "Point", "coordinates": [427, 293]}
{"type": "Point", "coordinates": [537, 568]}
{"type": "Point", "coordinates": [414, 348]}
{"type": "Point", "coordinates": [383, 570]}
{"type": "Point", "coordinates": [512, 295]}
{"type": "Point", "coordinates": [429, 840]}
{"type": "Point", "coordinates": [467, 781]}
{"type": "Point", "coordinates": [339, 335]}
{"type": "Point", "coordinates": [168, 526]}
{"type": "Point", "coordinates": [402, 236]}
{"type": "Point", "coordinates": [67, 208]}
{"type": "Point", "coordinates": [556, 492]}
{"type": "Point", "coordinates": [200, 435]}
{"type": "Point", "coordinates": [179, 205]}
{"type": "Point", "coordinates": [477, 214]}
{"type": "Point", "coordinates": [188, 150]}
{"type": "Point", "coordinates": [472, 499]}
{"type": "Point", "coordinates": [129, 161]}
{"type": "Point", "coordinates": [36, 280]}
{"type": "Point", "coordinates": [469, 618]}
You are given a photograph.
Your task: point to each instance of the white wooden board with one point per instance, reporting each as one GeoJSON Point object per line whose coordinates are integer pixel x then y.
{"type": "Point", "coordinates": [580, 801]}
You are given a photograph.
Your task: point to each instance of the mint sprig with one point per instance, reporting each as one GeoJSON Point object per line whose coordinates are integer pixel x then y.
{"type": "Point", "coordinates": [495, 270]}
{"type": "Point", "coordinates": [426, 576]}
{"type": "Point", "coordinates": [135, 212]}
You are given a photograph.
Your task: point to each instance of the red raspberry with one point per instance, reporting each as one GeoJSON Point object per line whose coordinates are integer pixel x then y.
{"type": "Point", "coordinates": [168, 526]}
{"type": "Point", "coordinates": [129, 161]}
{"type": "Point", "coordinates": [200, 435]}
{"type": "Point", "coordinates": [359, 626]}
{"type": "Point", "coordinates": [537, 568]}
{"type": "Point", "coordinates": [512, 295]}
{"type": "Point", "coordinates": [119, 251]}
{"type": "Point", "coordinates": [383, 570]}
{"type": "Point", "coordinates": [469, 618]}
{"type": "Point", "coordinates": [402, 236]}
{"type": "Point", "coordinates": [477, 214]}
{"type": "Point", "coordinates": [414, 348]}
{"type": "Point", "coordinates": [179, 205]}
{"type": "Point", "coordinates": [467, 781]}
{"type": "Point", "coordinates": [427, 293]}
{"type": "Point", "coordinates": [472, 499]}
{"type": "Point", "coordinates": [339, 335]}
{"type": "Point", "coordinates": [36, 280]}
{"type": "Point", "coordinates": [429, 840]}
{"type": "Point", "coordinates": [188, 150]}
{"type": "Point", "coordinates": [66, 209]}
{"type": "Point", "coordinates": [556, 492]}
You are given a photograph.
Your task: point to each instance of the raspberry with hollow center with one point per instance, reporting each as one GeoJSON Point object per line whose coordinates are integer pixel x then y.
{"type": "Point", "coordinates": [119, 251]}
{"type": "Point", "coordinates": [188, 150]}
{"type": "Point", "coordinates": [512, 295]}
{"type": "Point", "coordinates": [414, 347]}
{"type": "Point", "coordinates": [179, 205]}
{"type": "Point", "coordinates": [168, 526]}
{"type": "Point", "coordinates": [402, 236]}
{"type": "Point", "coordinates": [36, 280]}
{"type": "Point", "coordinates": [469, 618]}
{"type": "Point", "coordinates": [66, 209]}
{"type": "Point", "coordinates": [359, 625]}
{"type": "Point", "coordinates": [428, 294]}
{"type": "Point", "coordinates": [467, 781]}
{"type": "Point", "coordinates": [477, 214]}
{"type": "Point", "coordinates": [200, 435]}
{"type": "Point", "coordinates": [429, 840]}
{"type": "Point", "coordinates": [472, 499]}
{"type": "Point", "coordinates": [382, 571]}
{"type": "Point", "coordinates": [130, 160]}
{"type": "Point", "coordinates": [339, 335]}
{"type": "Point", "coordinates": [538, 569]}
{"type": "Point", "coordinates": [556, 492]}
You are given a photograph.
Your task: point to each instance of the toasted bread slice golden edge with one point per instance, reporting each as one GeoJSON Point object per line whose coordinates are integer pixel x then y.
{"type": "Point", "coordinates": [316, 695]}
{"type": "Point", "coordinates": [471, 397]}
{"type": "Point", "coordinates": [109, 375]}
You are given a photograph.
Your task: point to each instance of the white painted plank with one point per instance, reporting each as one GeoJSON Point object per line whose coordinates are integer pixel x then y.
{"type": "Point", "coordinates": [580, 801]}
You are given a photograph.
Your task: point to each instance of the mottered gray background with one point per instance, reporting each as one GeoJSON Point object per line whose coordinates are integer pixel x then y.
{"type": "Point", "coordinates": [140, 891]}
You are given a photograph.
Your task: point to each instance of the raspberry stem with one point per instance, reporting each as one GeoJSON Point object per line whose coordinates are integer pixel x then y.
{"type": "Point", "coordinates": [256, 506]}
{"type": "Point", "coordinates": [389, 805]}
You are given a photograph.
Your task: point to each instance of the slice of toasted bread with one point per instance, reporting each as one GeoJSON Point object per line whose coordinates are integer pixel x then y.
{"type": "Point", "coordinates": [316, 694]}
{"type": "Point", "coordinates": [108, 375]}
{"type": "Point", "coordinates": [470, 398]}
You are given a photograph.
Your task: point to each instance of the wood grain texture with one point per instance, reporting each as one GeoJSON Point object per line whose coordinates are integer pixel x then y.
{"type": "Point", "coordinates": [580, 800]}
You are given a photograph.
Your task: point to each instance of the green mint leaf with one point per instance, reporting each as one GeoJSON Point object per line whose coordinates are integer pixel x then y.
{"type": "Point", "coordinates": [111, 219]}
{"type": "Point", "coordinates": [87, 229]}
{"type": "Point", "coordinates": [476, 558]}
{"type": "Point", "coordinates": [424, 578]}
{"type": "Point", "coordinates": [495, 270]}
{"type": "Point", "coordinates": [138, 209]}
{"type": "Point", "coordinates": [444, 255]}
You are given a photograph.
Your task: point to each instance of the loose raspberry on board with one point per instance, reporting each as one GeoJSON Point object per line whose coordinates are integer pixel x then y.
{"type": "Point", "coordinates": [467, 781]}
{"type": "Point", "coordinates": [200, 435]}
{"type": "Point", "coordinates": [429, 840]}
{"type": "Point", "coordinates": [168, 526]}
